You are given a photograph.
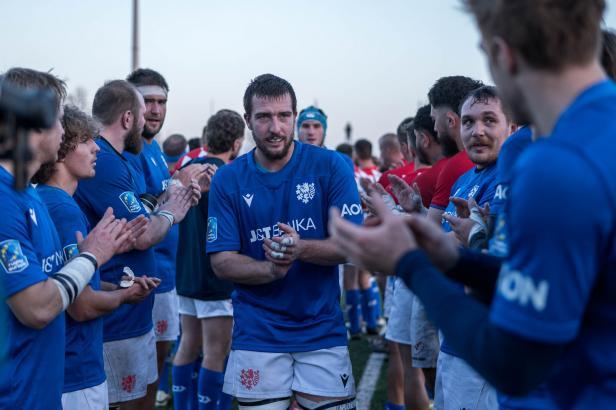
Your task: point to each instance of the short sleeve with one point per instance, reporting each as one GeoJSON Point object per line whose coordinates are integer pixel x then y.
{"type": "Point", "coordinates": [19, 265]}
{"type": "Point", "coordinates": [343, 192]}
{"type": "Point", "coordinates": [222, 222]}
{"type": "Point", "coordinates": [558, 232]}
{"type": "Point", "coordinates": [442, 191]}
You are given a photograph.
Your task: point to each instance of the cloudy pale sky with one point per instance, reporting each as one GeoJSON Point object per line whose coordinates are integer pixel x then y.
{"type": "Point", "coordinates": [369, 63]}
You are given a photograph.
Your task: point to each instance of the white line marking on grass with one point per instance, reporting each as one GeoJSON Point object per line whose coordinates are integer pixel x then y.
{"type": "Point", "coordinates": [367, 385]}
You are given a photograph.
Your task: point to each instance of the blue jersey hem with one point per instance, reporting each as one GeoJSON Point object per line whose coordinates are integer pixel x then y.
{"type": "Point", "coordinates": [123, 336]}
{"type": "Point", "coordinates": [285, 348]}
{"type": "Point", "coordinates": [84, 384]}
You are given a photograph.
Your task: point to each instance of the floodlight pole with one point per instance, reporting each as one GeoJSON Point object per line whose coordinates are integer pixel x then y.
{"type": "Point", "coordinates": [135, 49]}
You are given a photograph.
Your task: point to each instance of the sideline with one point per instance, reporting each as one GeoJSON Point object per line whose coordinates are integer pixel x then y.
{"type": "Point", "coordinates": [369, 379]}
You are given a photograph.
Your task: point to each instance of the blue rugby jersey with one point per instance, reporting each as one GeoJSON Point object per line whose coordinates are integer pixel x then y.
{"type": "Point", "coordinates": [30, 252]}
{"type": "Point", "coordinates": [479, 184]}
{"type": "Point", "coordinates": [151, 164]}
{"type": "Point", "coordinates": [117, 184]}
{"type": "Point", "coordinates": [300, 312]}
{"type": "Point", "coordinates": [83, 357]}
{"type": "Point", "coordinates": [559, 282]}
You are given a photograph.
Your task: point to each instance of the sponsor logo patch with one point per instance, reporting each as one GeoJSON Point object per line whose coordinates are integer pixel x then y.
{"type": "Point", "coordinates": [130, 201]}
{"type": "Point", "coordinates": [70, 251]}
{"type": "Point", "coordinates": [12, 258]}
{"type": "Point", "coordinates": [212, 229]}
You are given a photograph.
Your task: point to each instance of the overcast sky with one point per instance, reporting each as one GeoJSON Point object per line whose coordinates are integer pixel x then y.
{"type": "Point", "coordinates": [369, 63]}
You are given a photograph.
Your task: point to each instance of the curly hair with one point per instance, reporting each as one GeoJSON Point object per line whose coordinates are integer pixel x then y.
{"type": "Point", "coordinates": [147, 76]}
{"type": "Point", "coordinates": [79, 127]}
{"type": "Point", "coordinates": [548, 34]}
{"type": "Point", "coordinates": [449, 91]}
{"type": "Point", "coordinates": [223, 129]}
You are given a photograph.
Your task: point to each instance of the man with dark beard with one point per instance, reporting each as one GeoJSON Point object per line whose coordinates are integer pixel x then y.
{"type": "Point", "coordinates": [128, 336]}
{"type": "Point", "coordinates": [267, 233]}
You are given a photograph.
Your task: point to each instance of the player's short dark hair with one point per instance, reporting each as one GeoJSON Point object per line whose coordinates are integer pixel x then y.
{"type": "Point", "coordinates": [78, 127]}
{"type": "Point", "coordinates": [363, 149]}
{"type": "Point", "coordinates": [424, 123]}
{"type": "Point", "coordinates": [147, 76]}
{"type": "Point", "coordinates": [268, 86]}
{"type": "Point", "coordinates": [346, 149]}
{"type": "Point", "coordinates": [403, 130]}
{"type": "Point", "coordinates": [449, 91]}
{"type": "Point", "coordinates": [113, 99]}
{"type": "Point", "coordinates": [223, 129]}
{"type": "Point", "coordinates": [28, 78]}
{"type": "Point", "coordinates": [608, 52]}
{"type": "Point", "coordinates": [483, 95]}
{"type": "Point", "coordinates": [195, 142]}
{"type": "Point", "coordinates": [554, 34]}
{"type": "Point", "coordinates": [174, 145]}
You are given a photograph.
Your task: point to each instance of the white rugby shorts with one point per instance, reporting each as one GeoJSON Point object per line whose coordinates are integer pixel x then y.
{"type": "Point", "coordinates": [425, 344]}
{"type": "Point", "coordinates": [91, 398]}
{"type": "Point", "coordinates": [166, 317]}
{"type": "Point", "coordinates": [203, 309]}
{"type": "Point", "coordinates": [130, 365]}
{"type": "Point", "coordinates": [399, 324]}
{"type": "Point", "coordinates": [263, 375]}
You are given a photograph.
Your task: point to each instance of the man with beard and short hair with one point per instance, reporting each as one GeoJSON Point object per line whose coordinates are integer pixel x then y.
{"type": "Point", "coordinates": [267, 234]}
{"type": "Point", "coordinates": [445, 97]}
{"type": "Point", "coordinates": [129, 340]}
{"type": "Point", "coordinates": [552, 317]}
{"type": "Point", "coordinates": [151, 164]}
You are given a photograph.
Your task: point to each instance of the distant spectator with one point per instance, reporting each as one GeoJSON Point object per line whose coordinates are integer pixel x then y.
{"type": "Point", "coordinates": [174, 147]}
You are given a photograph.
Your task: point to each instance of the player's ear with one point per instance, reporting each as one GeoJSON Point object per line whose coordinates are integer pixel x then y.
{"type": "Point", "coordinates": [125, 119]}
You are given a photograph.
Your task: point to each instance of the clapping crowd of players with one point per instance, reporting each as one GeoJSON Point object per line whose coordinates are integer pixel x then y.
{"type": "Point", "coordinates": [496, 283]}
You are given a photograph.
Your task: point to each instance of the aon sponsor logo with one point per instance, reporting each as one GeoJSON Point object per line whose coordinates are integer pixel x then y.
{"type": "Point", "coordinates": [501, 192]}
{"type": "Point", "coordinates": [353, 209]}
{"type": "Point", "coordinates": [516, 287]}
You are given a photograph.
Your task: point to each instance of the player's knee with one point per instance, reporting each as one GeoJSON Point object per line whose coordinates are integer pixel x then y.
{"type": "Point", "coordinates": [348, 403]}
{"type": "Point", "coordinates": [281, 403]}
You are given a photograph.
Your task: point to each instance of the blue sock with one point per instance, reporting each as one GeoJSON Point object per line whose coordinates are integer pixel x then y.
{"type": "Point", "coordinates": [225, 401]}
{"type": "Point", "coordinates": [376, 293]}
{"type": "Point", "coordinates": [210, 387]}
{"type": "Point", "coordinates": [354, 309]}
{"type": "Point", "coordinates": [181, 376]}
{"type": "Point", "coordinates": [163, 381]}
{"type": "Point", "coordinates": [390, 406]}
{"type": "Point", "coordinates": [194, 386]}
{"type": "Point", "coordinates": [368, 305]}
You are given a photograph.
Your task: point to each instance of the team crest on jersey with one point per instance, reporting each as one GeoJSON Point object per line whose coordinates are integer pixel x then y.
{"type": "Point", "coordinates": [12, 258]}
{"type": "Point", "coordinates": [130, 201]}
{"type": "Point", "coordinates": [212, 229]}
{"type": "Point", "coordinates": [305, 192]}
{"type": "Point", "coordinates": [70, 251]}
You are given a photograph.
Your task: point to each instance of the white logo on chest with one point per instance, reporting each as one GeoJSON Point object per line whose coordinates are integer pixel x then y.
{"type": "Point", "coordinates": [248, 199]}
{"type": "Point", "coordinates": [305, 192]}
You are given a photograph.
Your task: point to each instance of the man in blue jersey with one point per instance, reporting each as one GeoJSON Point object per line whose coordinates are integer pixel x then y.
{"type": "Point", "coordinates": [205, 299]}
{"type": "Point", "coordinates": [84, 374]}
{"type": "Point", "coordinates": [552, 318]}
{"type": "Point", "coordinates": [267, 233]}
{"type": "Point", "coordinates": [128, 336]}
{"type": "Point", "coordinates": [151, 163]}
{"type": "Point", "coordinates": [37, 283]}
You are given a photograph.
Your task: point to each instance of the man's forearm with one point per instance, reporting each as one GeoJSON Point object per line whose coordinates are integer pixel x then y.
{"type": "Point", "coordinates": [157, 229]}
{"type": "Point", "coordinates": [242, 269]}
{"type": "Point", "coordinates": [320, 252]}
{"type": "Point", "coordinates": [477, 271]}
{"type": "Point", "coordinates": [92, 304]}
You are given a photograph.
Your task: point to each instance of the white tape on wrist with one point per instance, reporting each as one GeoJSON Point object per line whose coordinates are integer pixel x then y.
{"type": "Point", "coordinates": [72, 278]}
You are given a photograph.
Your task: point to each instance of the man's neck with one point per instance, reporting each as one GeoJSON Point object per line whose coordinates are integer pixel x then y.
{"type": "Point", "coordinates": [273, 165]}
{"type": "Point", "coordinates": [436, 157]}
{"type": "Point", "coordinates": [366, 163]}
{"type": "Point", "coordinates": [148, 140]}
{"type": "Point", "coordinates": [115, 139]}
{"type": "Point", "coordinates": [63, 180]}
{"type": "Point", "coordinates": [547, 94]}
{"type": "Point", "coordinates": [224, 157]}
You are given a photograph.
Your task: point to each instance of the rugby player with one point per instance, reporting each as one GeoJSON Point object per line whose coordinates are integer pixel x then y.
{"type": "Point", "coordinates": [129, 340]}
{"type": "Point", "coordinates": [312, 126]}
{"type": "Point", "coordinates": [84, 373]}
{"type": "Point", "coordinates": [550, 318]}
{"type": "Point", "coordinates": [205, 300]}
{"type": "Point", "coordinates": [37, 283]}
{"type": "Point", "coordinates": [266, 233]}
